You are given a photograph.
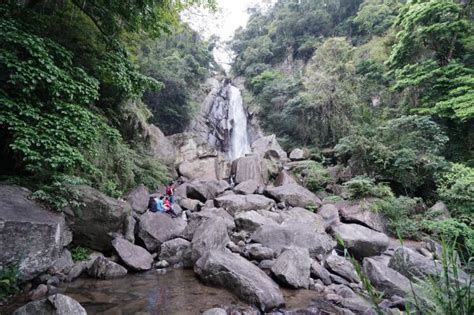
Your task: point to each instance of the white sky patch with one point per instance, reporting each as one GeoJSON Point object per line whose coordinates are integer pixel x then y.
{"type": "Point", "coordinates": [230, 15]}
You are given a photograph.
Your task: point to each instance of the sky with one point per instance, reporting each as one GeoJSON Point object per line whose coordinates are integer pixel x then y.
{"type": "Point", "coordinates": [230, 15]}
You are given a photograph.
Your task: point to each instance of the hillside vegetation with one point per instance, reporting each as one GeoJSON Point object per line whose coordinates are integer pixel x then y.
{"type": "Point", "coordinates": [73, 77]}
{"type": "Point", "coordinates": [384, 86]}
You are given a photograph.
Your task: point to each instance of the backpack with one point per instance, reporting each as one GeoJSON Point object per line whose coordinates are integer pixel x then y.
{"type": "Point", "coordinates": [169, 191]}
{"type": "Point", "coordinates": [152, 204]}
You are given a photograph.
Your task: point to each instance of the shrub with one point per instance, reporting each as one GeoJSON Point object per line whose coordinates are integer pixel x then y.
{"type": "Point", "coordinates": [312, 175]}
{"type": "Point", "coordinates": [363, 186]}
{"type": "Point", "coordinates": [453, 231]}
{"type": "Point", "coordinates": [8, 280]}
{"type": "Point", "coordinates": [79, 254]}
{"type": "Point", "coordinates": [456, 189]}
{"type": "Point", "coordinates": [332, 199]}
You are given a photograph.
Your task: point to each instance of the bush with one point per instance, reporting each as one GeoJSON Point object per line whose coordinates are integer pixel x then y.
{"type": "Point", "coordinates": [456, 189]}
{"type": "Point", "coordinates": [363, 186]}
{"type": "Point", "coordinates": [8, 280]}
{"type": "Point", "coordinates": [453, 231]}
{"type": "Point", "coordinates": [312, 175]}
{"type": "Point", "coordinates": [79, 254]}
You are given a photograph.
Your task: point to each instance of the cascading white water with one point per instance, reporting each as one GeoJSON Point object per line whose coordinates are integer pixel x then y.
{"type": "Point", "coordinates": [239, 142]}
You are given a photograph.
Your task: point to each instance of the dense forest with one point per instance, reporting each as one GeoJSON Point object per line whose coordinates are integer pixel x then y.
{"type": "Point", "coordinates": [381, 85]}
{"type": "Point", "coordinates": [79, 77]}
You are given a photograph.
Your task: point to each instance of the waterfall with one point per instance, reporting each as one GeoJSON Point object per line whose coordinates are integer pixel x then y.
{"type": "Point", "coordinates": [239, 142]}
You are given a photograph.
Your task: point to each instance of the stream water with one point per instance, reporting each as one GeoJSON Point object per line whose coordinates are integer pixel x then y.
{"type": "Point", "coordinates": [177, 291]}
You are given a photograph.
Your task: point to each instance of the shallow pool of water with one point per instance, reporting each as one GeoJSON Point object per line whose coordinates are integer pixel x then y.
{"type": "Point", "coordinates": [174, 292]}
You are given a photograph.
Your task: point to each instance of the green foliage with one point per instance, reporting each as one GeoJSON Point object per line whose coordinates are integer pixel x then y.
{"type": "Point", "coordinates": [454, 231]}
{"type": "Point", "coordinates": [374, 17]}
{"type": "Point", "coordinates": [8, 280]}
{"type": "Point", "coordinates": [363, 187]}
{"type": "Point", "coordinates": [180, 62]}
{"type": "Point", "coordinates": [404, 150]}
{"type": "Point", "coordinates": [332, 199]}
{"type": "Point", "coordinates": [447, 293]}
{"type": "Point", "coordinates": [79, 253]}
{"type": "Point", "coordinates": [312, 175]}
{"type": "Point", "coordinates": [427, 57]}
{"type": "Point", "coordinates": [456, 189]}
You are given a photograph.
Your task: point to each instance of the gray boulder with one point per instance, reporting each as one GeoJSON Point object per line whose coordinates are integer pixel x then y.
{"type": "Point", "coordinates": [138, 199]}
{"type": "Point", "coordinates": [293, 195]}
{"type": "Point", "coordinates": [63, 264]}
{"type": "Point", "coordinates": [156, 228]}
{"type": "Point", "coordinates": [195, 219]}
{"type": "Point", "coordinates": [342, 267]}
{"type": "Point", "coordinates": [215, 311]}
{"type": "Point", "coordinates": [439, 211]}
{"type": "Point", "coordinates": [248, 168]}
{"type": "Point", "coordinates": [330, 214]}
{"type": "Point", "coordinates": [251, 220]}
{"type": "Point", "coordinates": [203, 191]}
{"type": "Point", "coordinates": [160, 147]}
{"type": "Point", "coordinates": [258, 252]}
{"type": "Point", "coordinates": [278, 237]}
{"type": "Point", "coordinates": [30, 236]}
{"type": "Point", "coordinates": [135, 257]}
{"type": "Point", "coordinates": [319, 272]}
{"type": "Point", "coordinates": [244, 279]}
{"type": "Point", "coordinates": [247, 187]}
{"type": "Point", "coordinates": [361, 241]}
{"type": "Point", "coordinates": [298, 155]}
{"type": "Point", "coordinates": [57, 304]}
{"type": "Point", "coordinates": [292, 267]}
{"type": "Point", "coordinates": [300, 216]}
{"type": "Point", "coordinates": [237, 203]}
{"type": "Point", "coordinates": [359, 213]}
{"type": "Point", "coordinates": [200, 169]}
{"type": "Point", "coordinates": [190, 204]}
{"type": "Point", "coordinates": [98, 220]}
{"type": "Point", "coordinates": [211, 234]}
{"type": "Point", "coordinates": [414, 265]}
{"type": "Point", "coordinates": [284, 178]}
{"type": "Point", "coordinates": [103, 268]}
{"type": "Point", "coordinates": [385, 279]}
{"type": "Point", "coordinates": [177, 251]}
{"type": "Point", "coordinates": [266, 146]}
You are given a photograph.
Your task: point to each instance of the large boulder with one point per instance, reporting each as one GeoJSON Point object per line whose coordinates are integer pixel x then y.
{"type": "Point", "coordinates": [190, 204]}
{"type": "Point", "coordinates": [330, 214]}
{"type": "Point", "coordinates": [385, 279]}
{"type": "Point", "coordinates": [204, 169]}
{"type": "Point", "coordinates": [177, 251]}
{"type": "Point", "coordinates": [238, 203]}
{"type": "Point", "coordinates": [31, 237]}
{"type": "Point", "coordinates": [203, 191]}
{"type": "Point", "coordinates": [319, 272]}
{"type": "Point", "coordinates": [251, 220]}
{"type": "Point", "coordinates": [292, 267]}
{"type": "Point", "coordinates": [246, 168]}
{"type": "Point", "coordinates": [211, 234]}
{"type": "Point", "coordinates": [63, 264]}
{"type": "Point", "coordinates": [247, 187]}
{"type": "Point", "coordinates": [156, 228]}
{"type": "Point", "coordinates": [414, 265]}
{"type": "Point", "coordinates": [54, 304]}
{"type": "Point", "coordinates": [244, 279]}
{"type": "Point", "coordinates": [284, 178]}
{"type": "Point", "coordinates": [135, 257]}
{"type": "Point", "coordinates": [278, 237]}
{"type": "Point", "coordinates": [161, 148]}
{"type": "Point", "coordinates": [293, 195]}
{"type": "Point", "coordinates": [301, 216]}
{"type": "Point", "coordinates": [258, 252]}
{"type": "Point", "coordinates": [299, 155]}
{"type": "Point", "coordinates": [138, 198]}
{"type": "Point", "coordinates": [98, 219]}
{"type": "Point", "coordinates": [361, 214]}
{"type": "Point", "coordinates": [361, 241]}
{"type": "Point", "coordinates": [103, 268]}
{"type": "Point", "coordinates": [268, 146]}
{"type": "Point", "coordinates": [195, 219]}
{"type": "Point", "coordinates": [342, 267]}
